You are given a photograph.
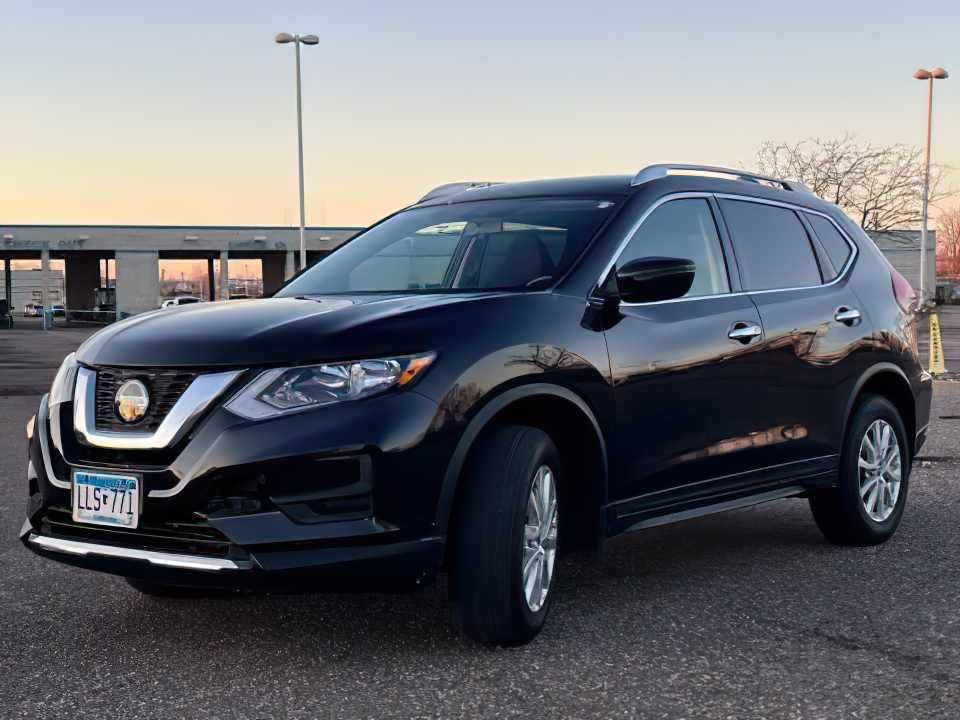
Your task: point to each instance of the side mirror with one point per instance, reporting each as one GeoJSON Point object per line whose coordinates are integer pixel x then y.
{"type": "Point", "coordinates": [651, 279]}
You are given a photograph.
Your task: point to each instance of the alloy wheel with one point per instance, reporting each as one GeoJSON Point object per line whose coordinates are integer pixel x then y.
{"type": "Point", "coordinates": [880, 470]}
{"type": "Point", "coordinates": [539, 538]}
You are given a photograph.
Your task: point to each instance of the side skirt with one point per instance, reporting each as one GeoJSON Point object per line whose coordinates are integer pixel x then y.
{"type": "Point", "coordinates": [719, 507]}
{"type": "Point", "coordinates": [720, 494]}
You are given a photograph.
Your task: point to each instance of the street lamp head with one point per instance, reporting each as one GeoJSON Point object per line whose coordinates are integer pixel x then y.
{"type": "Point", "coordinates": [309, 39]}
{"type": "Point", "coordinates": [937, 74]}
{"type": "Point", "coordinates": [284, 38]}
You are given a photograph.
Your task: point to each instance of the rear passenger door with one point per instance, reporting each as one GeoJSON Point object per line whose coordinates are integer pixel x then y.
{"type": "Point", "coordinates": [814, 328]}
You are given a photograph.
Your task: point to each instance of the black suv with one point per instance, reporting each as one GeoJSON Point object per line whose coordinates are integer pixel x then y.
{"type": "Point", "coordinates": [492, 374]}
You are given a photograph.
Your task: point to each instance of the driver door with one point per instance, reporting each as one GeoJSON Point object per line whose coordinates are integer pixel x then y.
{"type": "Point", "coordinates": [684, 374]}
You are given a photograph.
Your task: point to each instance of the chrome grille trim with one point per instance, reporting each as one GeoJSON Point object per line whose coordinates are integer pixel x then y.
{"type": "Point", "coordinates": [41, 429]}
{"type": "Point", "coordinates": [195, 399]}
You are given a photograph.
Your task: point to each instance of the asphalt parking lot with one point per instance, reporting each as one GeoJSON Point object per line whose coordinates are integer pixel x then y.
{"type": "Point", "coordinates": [750, 614]}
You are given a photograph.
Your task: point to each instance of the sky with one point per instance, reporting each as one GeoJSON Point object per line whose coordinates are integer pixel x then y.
{"type": "Point", "coordinates": [184, 112]}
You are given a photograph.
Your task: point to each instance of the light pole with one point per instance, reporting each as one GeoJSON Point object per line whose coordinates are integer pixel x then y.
{"type": "Point", "coordinates": [928, 75]}
{"type": "Point", "coordinates": [297, 40]}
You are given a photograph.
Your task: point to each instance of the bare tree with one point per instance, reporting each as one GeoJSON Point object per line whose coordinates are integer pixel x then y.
{"type": "Point", "coordinates": [948, 243]}
{"type": "Point", "coordinates": [879, 186]}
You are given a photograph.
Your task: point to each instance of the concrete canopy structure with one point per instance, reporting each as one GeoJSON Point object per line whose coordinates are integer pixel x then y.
{"type": "Point", "coordinates": [137, 251]}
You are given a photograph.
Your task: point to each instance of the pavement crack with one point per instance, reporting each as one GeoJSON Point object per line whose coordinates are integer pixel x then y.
{"type": "Point", "coordinates": [888, 652]}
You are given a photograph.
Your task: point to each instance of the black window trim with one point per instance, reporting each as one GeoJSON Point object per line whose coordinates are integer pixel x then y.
{"type": "Point", "coordinates": [819, 252]}
{"type": "Point", "coordinates": [729, 196]}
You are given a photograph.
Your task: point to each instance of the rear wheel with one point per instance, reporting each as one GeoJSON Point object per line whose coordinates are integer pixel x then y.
{"type": "Point", "coordinates": [506, 537]}
{"type": "Point", "coordinates": [866, 506]}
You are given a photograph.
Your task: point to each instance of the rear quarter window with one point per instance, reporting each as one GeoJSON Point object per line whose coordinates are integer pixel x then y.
{"type": "Point", "coordinates": [837, 247]}
{"type": "Point", "coordinates": [772, 245]}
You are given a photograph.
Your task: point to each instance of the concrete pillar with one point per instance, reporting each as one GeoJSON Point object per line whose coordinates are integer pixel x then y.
{"type": "Point", "coordinates": [211, 281]}
{"type": "Point", "coordinates": [224, 276]}
{"type": "Point", "coordinates": [290, 268]}
{"type": "Point", "coordinates": [46, 296]}
{"type": "Point", "coordinates": [315, 256]}
{"type": "Point", "coordinates": [7, 282]}
{"type": "Point", "coordinates": [82, 277]}
{"type": "Point", "coordinates": [138, 281]}
{"type": "Point", "coordinates": [272, 265]}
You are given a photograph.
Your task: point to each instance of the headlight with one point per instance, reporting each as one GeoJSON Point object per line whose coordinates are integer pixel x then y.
{"type": "Point", "coordinates": [62, 389]}
{"type": "Point", "coordinates": [285, 390]}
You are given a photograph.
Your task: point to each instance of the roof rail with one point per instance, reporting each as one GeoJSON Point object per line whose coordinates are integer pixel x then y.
{"type": "Point", "coordinates": [652, 172]}
{"type": "Point", "coordinates": [453, 189]}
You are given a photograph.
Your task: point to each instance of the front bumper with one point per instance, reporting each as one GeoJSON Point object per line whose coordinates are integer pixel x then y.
{"type": "Point", "coordinates": [281, 569]}
{"type": "Point", "coordinates": [283, 520]}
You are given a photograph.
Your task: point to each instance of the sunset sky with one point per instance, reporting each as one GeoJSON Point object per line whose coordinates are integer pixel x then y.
{"type": "Point", "coordinates": [183, 112]}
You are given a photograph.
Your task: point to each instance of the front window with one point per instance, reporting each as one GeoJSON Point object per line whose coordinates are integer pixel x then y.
{"type": "Point", "coordinates": [683, 229]}
{"type": "Point", "coordinates": [483, 245]}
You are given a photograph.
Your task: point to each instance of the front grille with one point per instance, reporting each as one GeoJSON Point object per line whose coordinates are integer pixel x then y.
{"type": "Point", "coordinates": [189, 538]}
{"type": "Point", "coordinates": [165, 388]}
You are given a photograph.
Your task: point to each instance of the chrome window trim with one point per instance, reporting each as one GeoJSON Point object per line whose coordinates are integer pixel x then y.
{"type": "Point", "coordinates": [154, 557]}
{"type": "Point", "coordinates": [42, 418]}
{"type": "Point", "coordinates": [195, 399]}
{"type": "Point", "coordinates": [855, 250]}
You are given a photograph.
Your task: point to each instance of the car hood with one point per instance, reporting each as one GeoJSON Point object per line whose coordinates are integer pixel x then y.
{"type": "Point", "coordinates": [247, 333]}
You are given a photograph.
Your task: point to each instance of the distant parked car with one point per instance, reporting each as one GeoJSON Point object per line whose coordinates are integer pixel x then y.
{"type": "Point", "coordinates": [182, 300]}
{"type": "Point", "coordinates": [31, 310]}
{"type": "Point", "coordinates": [58, 310]}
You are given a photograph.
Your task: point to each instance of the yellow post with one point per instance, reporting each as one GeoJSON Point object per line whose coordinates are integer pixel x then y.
{"type": "Point", "coordinates": [937, 366]}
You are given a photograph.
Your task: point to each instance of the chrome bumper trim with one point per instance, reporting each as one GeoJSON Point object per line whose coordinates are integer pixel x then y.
{"type": "Point", "coordinates": [195, 399]}
{"type": "Point", "coordinates": [184, 562]}
{"type": "Point", "coordinates": [41, 430]}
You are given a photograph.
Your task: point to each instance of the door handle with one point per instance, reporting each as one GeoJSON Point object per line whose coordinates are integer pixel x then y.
{"type": "Point", "coordinates": [744, 332]}
{"type": "Point", "coordinates": [848, 316]}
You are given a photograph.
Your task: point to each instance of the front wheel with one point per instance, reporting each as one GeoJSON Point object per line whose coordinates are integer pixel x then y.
{"type": "Point", "coordinates": [866, 506]}
{"type": "Point", "coordinates": [506, 538]}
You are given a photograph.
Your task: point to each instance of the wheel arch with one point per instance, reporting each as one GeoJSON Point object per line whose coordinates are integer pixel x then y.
{"type": "Point", "coordinates": [889, 381]}
{"type": "Point", "coordinates": [565, 416]}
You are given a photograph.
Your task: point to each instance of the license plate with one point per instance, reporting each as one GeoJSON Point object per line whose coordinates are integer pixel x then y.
{"type": "Point", "coordinates": [102, 499]}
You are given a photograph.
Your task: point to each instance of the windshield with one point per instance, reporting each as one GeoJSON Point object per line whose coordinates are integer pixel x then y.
{"type": "Point", "coordinates": [523, 243]}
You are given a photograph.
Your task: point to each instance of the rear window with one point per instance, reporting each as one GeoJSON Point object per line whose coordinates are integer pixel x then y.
{"type": "Point", "coordinates": [838, 249]}
{"type": "Point", "coordinates": [773, 249]}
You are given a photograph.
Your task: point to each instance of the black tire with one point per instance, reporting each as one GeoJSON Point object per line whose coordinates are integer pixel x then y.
{"type": "Point", "coordinates": [489, 535]}
{"type": "Point", "coordinates": [839, 512]}
{"type": "Point", "coordinates": [159, 590]}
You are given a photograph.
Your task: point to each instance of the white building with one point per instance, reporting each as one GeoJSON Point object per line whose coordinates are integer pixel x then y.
{"type": "Point", "coordinates": [902, 249]}
{"type": "Point", "coordinates": [27, 288]}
